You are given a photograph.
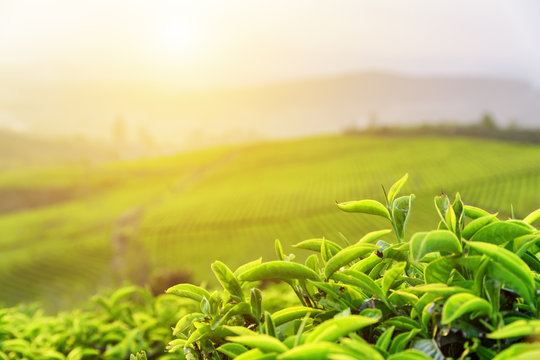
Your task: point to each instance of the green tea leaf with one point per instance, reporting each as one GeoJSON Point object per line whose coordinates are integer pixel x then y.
{"type": "Point", "coordinates": [228, 281]}
{"type": "Point", "coordinates": [375, 273]}
{"type": "Point", "coordinates": [442, 290]}
{"type": "Point", "coordinates": [283, 270]}
{"type": "Point", "coordinates": [398, 252]}
{"type": "Point", "coordinates": [326, 254]}
{"type": "Point", "coordinates": [396, 188]}
{"type": "Point", "coordinates": [429, 348]}
{"type": "Point", "coordinates": [333, 329]}
{"type": "Point", "coordinates": [185, 321]}
{"type": "Point", "coordinates": [361, 349]}
{"type": "Point", "coordinates": [247, 266]}
{"type": "Point", "coordinates": [424, 300]}
{"type": "Point", "coordinates": [391, 275]}
{"type": "Point", "coordinates": [365, 265]}
{"type": "Point", "coordinates": [518, 328]}
{"type": "Point", "coordinates": [198, 334]}
{"type": "Point", "coordinates": [459, 211]}
{"type": "Point", "coordinates": [400, 298]}
{"type": "Point", "coordinates": [371, 313]}
{"type": "Point", "coordinates": [499, 233]}
{"type": "Point", "coordinates": [312, 262]}
{"type": "Point", "coordinates": [347, 255]}
{"type": "Point", "coordinates": [256, 354]}
{"type": "Point", "coordinates": [460, 304]}
{"type": "Point", "coordinates": [238, 309]}
{"type": "Point", "coordinates": [409, 355]}
{"type": "Point", "coordinates": [232, 350]}
{"type": "Point", "coordinates": [438, 271]}
{"type": "Point", "coordinates": [511, 281]}
{"type": "Point", "coordinates": [262, 342]}
{"type": "Point", "coordinates": [532, 261]}
{"type": "Point", "coordinates": [474, 212]}
{"type": "Point", "coordinates": [401, 212]}
{"type": "Point", "coordinates": [474, 226]}
{"type": "Point", "coordinates": [361, 280]}
{"type": "Point", "coordinates": [238, 330]}
{"type": "Point", "coordinates": [402, 323]}
{"type": "Point", "coordinates": [256, 302]}
{"type": "Point", "coordinates": [400, 341]}
{"type": "Point", "coordinates": [314, 351]}
{"type": "Point", "coordinates": [532, 217]}
{"type": "Point", "coordinates": [523, 243]}
{"type": "Point", "coordinates": [341, 357]}
{"type": "Point", "coordinates": [512, 265]}
{"type": "Point", "coordinates": [492, 289]}
{"type": "Point", "coordinates": [385, 338]}
{"type": "Point", "coordinates": [451, 219]}
{"type": "Point", "coordinates": [522, 224]}
{"type": "Point", "coordinates": [520, 352]}
{"type": "Point", "coordinates": [189, 291]}
{"type": "Point", "coordinates": [373, 236]}
{"type": "Point", "coordinates": [293, 313]}
{"type": "Point", "coordinates": [442, 203]}
{"type": "Point", "coordinates": [315, 245]}
{"type": "Point", "coordinates": [269, 325]}
{"type": "Point", "coordinates": [372, 207]}
{"type": "Point", "coordinates": [442, 241]}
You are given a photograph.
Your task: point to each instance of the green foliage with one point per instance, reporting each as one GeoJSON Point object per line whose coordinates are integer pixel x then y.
{"type": "Point", "coordinates": [244, 195]}
{"type": "Point", "coordinates": [128, 321]}
{"type": "Point", "coordinates": [467, 289]}
{"type": "Point", "coordinates": [365, 206]}
{"type": "Point", "coordinates": [452, 292]}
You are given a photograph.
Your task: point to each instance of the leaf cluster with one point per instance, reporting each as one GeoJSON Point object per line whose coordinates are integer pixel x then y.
{"type": "Point", "coordinates": [466, 289]}
{"type": "Point", "coordinates": [127, 321]}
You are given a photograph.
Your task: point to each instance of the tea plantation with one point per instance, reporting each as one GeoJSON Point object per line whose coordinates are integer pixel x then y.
{"type": "Point", "coordinates": [142, 220]}
{"type": "Point", "coordinates": [466, 289]}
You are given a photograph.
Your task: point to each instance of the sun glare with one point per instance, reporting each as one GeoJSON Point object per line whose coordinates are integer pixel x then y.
{"type": "Point", "coordinates": [175, 42]}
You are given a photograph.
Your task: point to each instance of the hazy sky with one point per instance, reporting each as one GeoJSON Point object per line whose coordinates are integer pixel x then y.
{"type": "Point", "coordinates": [222, 43]}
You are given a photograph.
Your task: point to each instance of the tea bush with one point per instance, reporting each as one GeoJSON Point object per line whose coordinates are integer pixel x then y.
{"type": "Point", "coordinates": [276, 189]}
{"type": "Point", "coordinates": [467, 289]}
{"type": "Point", "coordinates": [128, 320]}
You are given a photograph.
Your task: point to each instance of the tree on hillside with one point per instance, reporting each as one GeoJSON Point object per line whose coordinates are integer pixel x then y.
{"type": "Point", "coordinates": [487, 122]}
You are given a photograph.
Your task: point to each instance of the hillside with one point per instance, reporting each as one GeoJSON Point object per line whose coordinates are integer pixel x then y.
{"type": "Point", "coordinates": [302, 107]}
{"type": "Point", "coordinates": [25, 150]}
{"type": "Point", "coordinates": [170, 217]}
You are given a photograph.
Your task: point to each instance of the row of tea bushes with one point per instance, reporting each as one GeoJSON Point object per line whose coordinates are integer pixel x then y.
{"type": "Point", "coordinates": [465, 290]}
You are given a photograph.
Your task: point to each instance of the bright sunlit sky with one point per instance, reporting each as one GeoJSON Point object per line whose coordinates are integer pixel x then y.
{"type": "Point", "coordinates": [201, 44]}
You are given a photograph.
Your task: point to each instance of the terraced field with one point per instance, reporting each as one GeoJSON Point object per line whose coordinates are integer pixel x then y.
{"type": "Point", "coordinates": [179, 213]}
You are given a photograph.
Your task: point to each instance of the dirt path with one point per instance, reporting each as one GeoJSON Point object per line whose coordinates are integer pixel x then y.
{"type": "Point", "coordinates": [125, 236]}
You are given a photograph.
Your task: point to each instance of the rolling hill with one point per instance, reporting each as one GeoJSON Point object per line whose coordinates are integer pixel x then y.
{"type": "Point", "coordinates": [22, 150]}
{"type": "Point", "coordinates": [169, 217]}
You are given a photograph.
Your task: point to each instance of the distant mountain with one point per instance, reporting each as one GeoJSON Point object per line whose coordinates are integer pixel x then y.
{"type": "Point", "coordinates": [320, 105]}
{"type": "Point", "coordinates": [330, 104]}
